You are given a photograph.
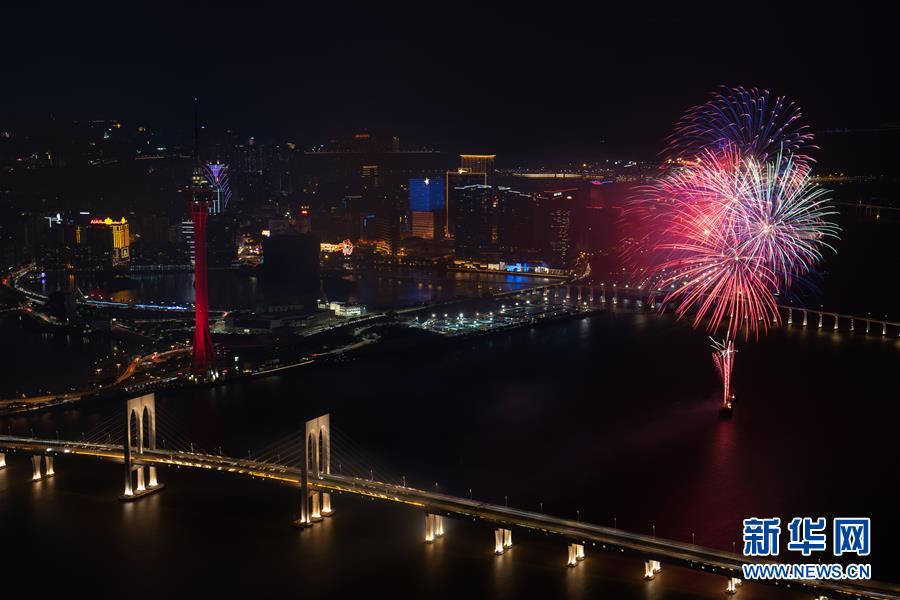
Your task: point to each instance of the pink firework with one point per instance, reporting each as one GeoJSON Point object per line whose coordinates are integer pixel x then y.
{"type": "Point", "coordinates": [729, 234]}
{"type": "Point", "coordinates": [735, 220]}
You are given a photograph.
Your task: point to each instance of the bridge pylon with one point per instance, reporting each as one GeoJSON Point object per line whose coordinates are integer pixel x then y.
{"type": "Point", "coordinates": [140, 412]}
{"type": "Point", "coordinates": [314, 505]}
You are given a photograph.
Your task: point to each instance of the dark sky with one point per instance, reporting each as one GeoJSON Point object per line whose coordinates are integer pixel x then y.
{"type": "Point", "coordinates": [549, 81]}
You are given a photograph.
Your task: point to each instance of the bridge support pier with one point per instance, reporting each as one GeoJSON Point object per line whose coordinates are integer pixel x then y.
{"type": "Point", "coordinates": [884, 329]}
{"type": "Point", "coordinates": [36, 474]}
{"type": "Point", "coordinates": [820, 321]}
{"type": "Point", "coordinates": [836, 319]}
{"type": "Point", "coordinates": [868, 324]}
{"type": "Point", "coordinates": [651, 568]}
{"type": "Point", "coordinates": [326, 505]}
{"type": "Point", "coordinates": [316, 510]}
{"type": "Point", "coordinates": [852, 324]}
{"type": "Point", "coordinates": [790, 316]}
{"type": "Point", "coordinates": [733, 584]}
{"type": "Point", "coordinates": [502, 540]}
{"type": "Point", "coordinates": [2, 461]}
{"type": "Point", "coordinates": [575, 554]}
{"type": "Point", "coordinates": [438, 526]}
{"type": "Point", "coordinates": [804, 318]}
{"type": "Point", "coordinates": [429, 528]}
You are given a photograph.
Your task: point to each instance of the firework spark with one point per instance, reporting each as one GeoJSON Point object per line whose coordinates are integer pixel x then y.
{"type": "Point", "coordinates": [753, 121]}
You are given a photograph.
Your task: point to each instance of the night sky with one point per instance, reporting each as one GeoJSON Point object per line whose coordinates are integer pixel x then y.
{"type": "Point", "coordinates": [525, 83]}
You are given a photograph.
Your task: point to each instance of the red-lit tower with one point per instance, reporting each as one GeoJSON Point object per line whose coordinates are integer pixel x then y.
{"type": "Point", "coordinates": [198, 205]}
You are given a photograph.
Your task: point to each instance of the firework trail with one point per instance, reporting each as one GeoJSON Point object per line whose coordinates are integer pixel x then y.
{"type": "Point", "coordinates": [723, 356]}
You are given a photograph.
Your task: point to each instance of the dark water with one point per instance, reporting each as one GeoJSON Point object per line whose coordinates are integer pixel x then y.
{"type": "Point", "coordinates": [234, 289]}
{"type": "Point", "coordinates": [613, 416]}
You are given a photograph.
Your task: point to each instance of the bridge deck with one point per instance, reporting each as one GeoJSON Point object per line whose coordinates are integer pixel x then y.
{"type": "Point", "coordinates": [611, 539]}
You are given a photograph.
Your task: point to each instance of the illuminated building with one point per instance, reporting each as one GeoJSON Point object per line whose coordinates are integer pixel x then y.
{"type": "Point", "coordinates": [426, 194]}
{"type": "Point", "coordinates": [217, 176]}
{"type": "Point", "coordinates": [106, 241]}
{"type": "Point", "coordinates": [479, 164]}
{"type": "Point", "coordinates": [426, 204]}
{"type": "Point", "coordinates": [370, 174]}
{"type": "Point", "coordinates": [187, 236]}
{"type": "Point", "coordinates": [342, 309]}
{"type": "Point", "coordinates": [558, 210]}
{"type": "Point", "coordinates": [424, 224]}
{"type": "Point", "coordinates": [474, 169]}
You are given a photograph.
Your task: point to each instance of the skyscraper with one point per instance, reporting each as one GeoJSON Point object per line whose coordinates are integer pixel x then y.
{"type": "Point", "coordinates": [473, 221]}
{"type": "Point", "coordinates": [426, 206]}
{"type": "Point", "coordinates": [474, 169]}
{"type": "Point", "coordinates": [426, 194]}
{"type": "Point", "coordinates": [558, 208]}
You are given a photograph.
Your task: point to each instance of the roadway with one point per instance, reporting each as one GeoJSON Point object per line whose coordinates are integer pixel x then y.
{"type": "Point", "coordinates": [608, 539]}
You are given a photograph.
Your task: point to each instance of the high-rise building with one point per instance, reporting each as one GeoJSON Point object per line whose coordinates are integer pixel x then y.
{"type": "Point", "coordinates": [478, 163]}
{"type": "Point", "coordinates": [473, 223]}
{"type": "Point", "coordinates": [426, 206]}
{"type": "Point", "coordinates": [426, 194]}
{"type": "Point", "coordinates": [424, 224]}
{"type": "Point", "coordinates": [516, 222]}
{"type": "Point", "coordinates": [558, 212]}
{"type": "Point", "coordinates": [104, 242]}
{"type": "Point", "coordinates": [454, 181]}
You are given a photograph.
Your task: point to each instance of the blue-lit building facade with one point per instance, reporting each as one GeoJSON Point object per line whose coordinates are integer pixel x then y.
{"type": "Point", "coordinates": [426, 208]}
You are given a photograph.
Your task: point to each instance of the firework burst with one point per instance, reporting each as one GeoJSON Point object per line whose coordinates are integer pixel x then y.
{"type": "Point", "coordinates": [753, 121]}
{"type": "Point", "coordinates": [735, 219]}
{"type": "Point", "coordinates": [730, 234]}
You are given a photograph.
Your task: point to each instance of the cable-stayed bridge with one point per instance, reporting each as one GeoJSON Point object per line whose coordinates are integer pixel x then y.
{"type": "Point", "coordinates": [143, 441]}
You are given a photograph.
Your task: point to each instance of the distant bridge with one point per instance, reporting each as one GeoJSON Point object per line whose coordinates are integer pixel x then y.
{"type": "Point", "coordinates": [141, 458]}
{"type": "Point", "coordinates": [614, 295]}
